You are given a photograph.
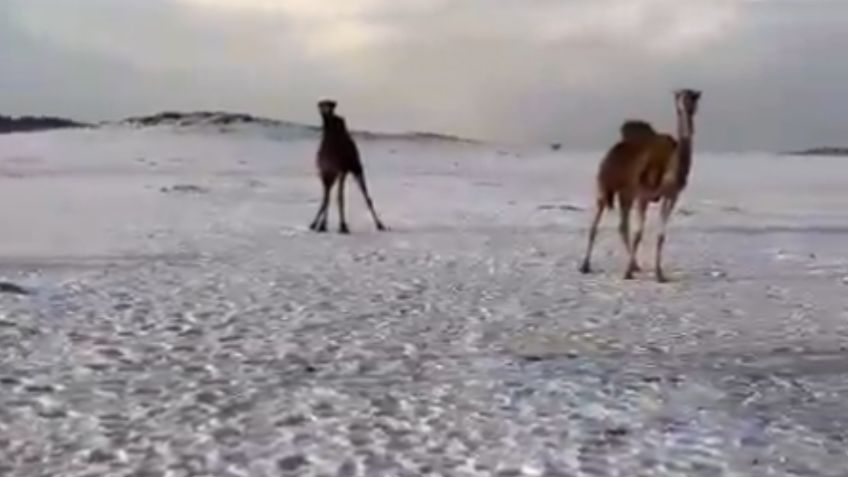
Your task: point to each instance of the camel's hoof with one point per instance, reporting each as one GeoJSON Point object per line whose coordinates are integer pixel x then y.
{"type": "Point", "coordinates": [585, 269]}
{"type": "Point", "coordinates": [344, 230]}
{"type": "Point", "coordinates": [661, 278]}
{"type": "Point", "coordinates": [320, 228]}
{"type": "Point", "coordinates": [636, 268]}
{"type": "Point", "coordinates": [381, 227]}
{"type": "Point", "coordinates": [629, 275]}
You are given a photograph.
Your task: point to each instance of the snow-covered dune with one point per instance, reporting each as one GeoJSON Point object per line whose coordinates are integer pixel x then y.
{"type": "Point", "coordinates": [185, 320]}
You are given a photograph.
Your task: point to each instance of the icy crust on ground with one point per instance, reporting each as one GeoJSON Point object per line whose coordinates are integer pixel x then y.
{"type": "Point", "coordinates": [206, 332]}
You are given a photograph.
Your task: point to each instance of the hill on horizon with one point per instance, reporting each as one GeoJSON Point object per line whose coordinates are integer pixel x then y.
{"type": "Point", "coordinates": [9, 124]}
{"type": "Point", "coordinates": [199, 119]}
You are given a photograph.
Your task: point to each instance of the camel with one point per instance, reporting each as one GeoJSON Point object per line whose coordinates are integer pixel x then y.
{"type": "Point", "coordinates": [645, 167]}
{"type": "Point", "coordinates": [338, 156]}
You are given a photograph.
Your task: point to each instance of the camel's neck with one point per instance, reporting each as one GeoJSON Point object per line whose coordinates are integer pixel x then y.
{"type": "Point", "coordinates": [685, 135]}
{"type": "Point", "coordinates": [333, 124]}
{"type": "Point", "coordinates": [685, 131]}
{"type": "Point", "coordinates": [685, 125]}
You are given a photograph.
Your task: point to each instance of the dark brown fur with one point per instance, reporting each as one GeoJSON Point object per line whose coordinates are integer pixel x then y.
{"type": "Point", "coordinates": [641, 168]}
{"type": "Point", "coordinates": [338, 156]}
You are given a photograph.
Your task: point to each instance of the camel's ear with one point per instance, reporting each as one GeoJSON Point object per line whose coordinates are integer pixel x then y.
{"type": "Point", "coordinates": [697, 94]}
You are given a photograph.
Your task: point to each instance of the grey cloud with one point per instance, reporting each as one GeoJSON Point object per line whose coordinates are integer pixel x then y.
{"type": "Point", "coordinates": [106, 59]}
{"type": "Point", "coordinates": [530, 70]}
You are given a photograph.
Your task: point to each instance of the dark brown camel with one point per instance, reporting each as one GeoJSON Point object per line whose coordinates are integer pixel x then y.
{"type": "Point", "coordinates": [338, 157]}
{"type": "Point", "coordinates": [645, 167]}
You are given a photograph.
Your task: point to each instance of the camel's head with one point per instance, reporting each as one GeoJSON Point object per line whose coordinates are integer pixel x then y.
{"type": "Point", "coordinates": [326, 107]}
{"type": "Point", "coordinates": [687, 101]}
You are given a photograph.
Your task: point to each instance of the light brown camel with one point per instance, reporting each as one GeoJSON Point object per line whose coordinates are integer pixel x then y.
{"type": "Point", "coordinates": [645, 167]}
{"type": "Point", "coordinates": [338, 156]}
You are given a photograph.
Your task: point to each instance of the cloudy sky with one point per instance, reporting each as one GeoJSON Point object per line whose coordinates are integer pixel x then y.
{"type": "Point", "coordinates": [774, 72]}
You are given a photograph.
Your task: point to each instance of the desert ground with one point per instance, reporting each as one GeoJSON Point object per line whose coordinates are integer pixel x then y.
{"type": "Point", "coordinates": [184, 321]}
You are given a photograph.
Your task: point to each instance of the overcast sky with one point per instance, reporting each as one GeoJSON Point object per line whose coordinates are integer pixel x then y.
{"type": "Point", "coordinates": [774, 72]}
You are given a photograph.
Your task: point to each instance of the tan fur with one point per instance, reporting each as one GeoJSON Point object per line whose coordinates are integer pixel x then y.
{"type": "Point", "coordinates": [631, 167]}
{"type": "Point", "coordinates": [644, 167]}
{"type": "Point", "coordinates": [636, 130]}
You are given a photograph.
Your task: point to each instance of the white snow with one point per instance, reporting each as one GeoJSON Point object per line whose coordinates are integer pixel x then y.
{"type": "Point", "coordinates": [186, 321]}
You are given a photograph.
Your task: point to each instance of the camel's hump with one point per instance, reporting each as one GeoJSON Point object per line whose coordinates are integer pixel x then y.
{"type": "Point", "coordinates": [636, 130]}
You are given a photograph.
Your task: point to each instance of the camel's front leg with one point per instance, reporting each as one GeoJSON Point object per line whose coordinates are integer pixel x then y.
{"type": "Point", "coordinates": [666, 207]}
{"type": "Point", "coordinates": [641, 216]}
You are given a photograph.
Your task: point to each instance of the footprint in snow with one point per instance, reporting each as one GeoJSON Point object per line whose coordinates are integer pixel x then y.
{"type": "Point", "coordinates": [185, 189]}
{"type": "Point", "coordinates": [563, 207]}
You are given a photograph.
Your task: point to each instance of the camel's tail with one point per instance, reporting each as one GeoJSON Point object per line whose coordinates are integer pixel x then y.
{"type": "Point", "coordinates": [609, 172]}
{"type": "Point", "coordinates": [606, 197]}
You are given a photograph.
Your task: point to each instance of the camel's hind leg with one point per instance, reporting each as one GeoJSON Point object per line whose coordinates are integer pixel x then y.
{"type": "Point", "coordinates": [625, 205]}
{"type": "Point", "coordinates": [600, 206]}
{"type": "Point", "coordinates": [343, 229]}
{"type": "Point", "coordinates": [641, 216]}
{"type": "Point", "coordinates": [666, 208]}
{"type": "Point", "coordinates": [360, 179]}
{"type": "Point", "coordinates": [319, 224]}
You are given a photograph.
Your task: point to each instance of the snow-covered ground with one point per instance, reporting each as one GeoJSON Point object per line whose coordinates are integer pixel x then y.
{"type": "Point", "coordinates": [186, 322]}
